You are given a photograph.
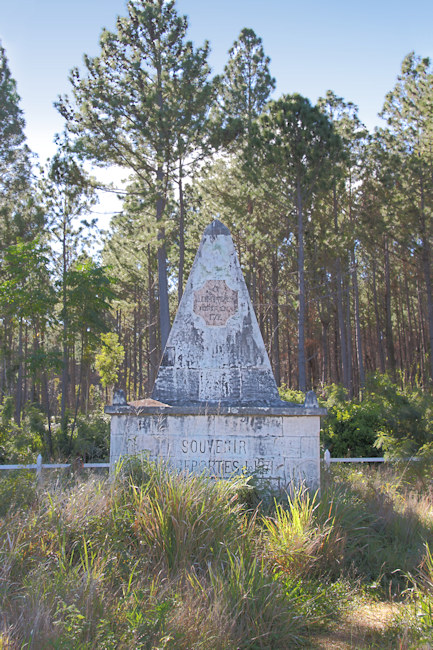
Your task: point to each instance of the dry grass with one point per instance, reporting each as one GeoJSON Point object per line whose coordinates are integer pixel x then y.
{"type": "Point", "coordinates": [366, 626]}
{"type": "Point", "coordinates": [162, 560]}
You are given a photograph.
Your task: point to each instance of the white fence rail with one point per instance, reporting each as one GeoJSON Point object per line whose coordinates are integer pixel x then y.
{"type": "Point", "coordinates": [39, 466]}
{"type": "Point", "coordinates": [328, 459]}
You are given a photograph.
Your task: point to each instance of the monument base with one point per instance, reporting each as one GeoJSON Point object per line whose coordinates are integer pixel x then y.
{"type": "Point", "coordinates": [277, 444]}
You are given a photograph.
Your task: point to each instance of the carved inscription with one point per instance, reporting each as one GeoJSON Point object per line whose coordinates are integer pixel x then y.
{"type": "Point", "coordinates": [220, 457]}
{"type": "Point", "coordinates": [215, 302]}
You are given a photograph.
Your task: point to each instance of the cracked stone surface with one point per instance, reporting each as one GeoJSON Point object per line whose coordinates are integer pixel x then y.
{"type": "Point", "coordinates": [215, 351]}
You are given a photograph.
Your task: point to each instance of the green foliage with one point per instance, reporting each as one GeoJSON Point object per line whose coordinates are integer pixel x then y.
{"type": "Point", "coordinates": [88, 295]}
{"type": "Point", "coordinates": [17, 490]}
{"type": "Point", "coordinates": [92, 440]}
{"type": "Point", "coordinates": [19, 216]}
{"type": "Point", "coordinates": [109, 359]}
{"type": "Point", "coordinates": [291, 395]}
{"type": "Point", "coordinates": [388, 418]}
{"type": "Point", "coordinates": [244, 89]}
{"type": "Point", "coordinates": [21, 444]}
{"type": "Point", "coordinates": [351, 429]}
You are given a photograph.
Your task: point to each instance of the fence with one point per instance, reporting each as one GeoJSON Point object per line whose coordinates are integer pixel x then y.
{"type": "Point", "coordinates": [328, 459]}
{"type": "Point", "coordinates": [39, 466]}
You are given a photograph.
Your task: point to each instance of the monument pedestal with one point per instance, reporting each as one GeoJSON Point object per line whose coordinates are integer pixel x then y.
{"type": "Point", "coordinates": [278, 444]}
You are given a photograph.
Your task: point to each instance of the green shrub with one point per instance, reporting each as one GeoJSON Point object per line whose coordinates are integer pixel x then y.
{"type": "Point", "coordinates": [387, 419]}
{"type": "Point", "coordinates": [351, 430]}
{"type": "Point", "coordinates": [92, 442]}
{"type": "Point", "coordinates": [21, 444]}
{"type": "Point", "coordinates": [17, 490]}
{"type": "Point", "coordinates": [290, 395]}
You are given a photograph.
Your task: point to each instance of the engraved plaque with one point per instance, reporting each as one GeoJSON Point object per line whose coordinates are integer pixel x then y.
{"type": "Point", "coordinates": [215, 302]}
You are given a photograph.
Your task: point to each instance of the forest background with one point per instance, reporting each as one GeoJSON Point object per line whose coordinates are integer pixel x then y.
{"type": "Point", "coordinates": [332, 225]}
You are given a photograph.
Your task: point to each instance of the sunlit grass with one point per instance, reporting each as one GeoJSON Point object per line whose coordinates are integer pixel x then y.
{"type": "Point", "coordinates": [156, 559]}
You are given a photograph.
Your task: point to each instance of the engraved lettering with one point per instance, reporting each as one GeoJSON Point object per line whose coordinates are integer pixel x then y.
{"type": "Point", "coordinates": [215, 302]}
{"type": "Point", "coordinates": [184, 446]}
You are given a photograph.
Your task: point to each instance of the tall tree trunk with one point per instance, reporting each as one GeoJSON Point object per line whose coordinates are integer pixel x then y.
{"type": "Point", "coordinates": [376, 313]}
{"type": "Point", "coordinates": [388, 315]}
{"type": "Point", "coordinates": [359, 354]}
{"type": "Point", "coordinates": [342, 325]}
{"type": "Point", "coordinates": [325, 351]}
{"type": "Point", "coordinates": [336, 356]}
{"type": "Point", "coordinates": [426, 264]}
{"type": "Point", "coordinates": [134, 352]}
{"type": "Point", "coordinates": [421, 329]}
{"type": "Point", "coordinates": [340, 310]}
{"type": "Point", "coordinates": [140, 348]}
{"type": "Point", "coordinates": [254, 280]}
{"type": "Point", "coordinates": [275, 321]}
{"type": "Point", "coordinates": [151, 326]}
{"type": "Point", "coordinates": [164, 312]}
{"type": "Point", "coordinates": [65, 360]}
{"type": "Point", "coordinates": [34, 389]}
{"type": "Point", "coordinates": [261, 306]}
{"type": "Point", "coordinates": [301, 289]}
{"type": "Point", "coordinates": [410, 342]}
{"type": "Point", "coordinates": [19, 388]}
{"type": "Point", "coordinates": [349, 343]}
{"type": "Point", "coordinates": [48, 407]}
{"type": "Point", "coordinates": [181, 234]}
{"type": "Point", "coordinates": [401, 352]}
{"type": "Point", "coordinates": [288, 346]}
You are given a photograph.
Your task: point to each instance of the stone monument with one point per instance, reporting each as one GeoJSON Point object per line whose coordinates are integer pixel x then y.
{"type": "Point", "coordinates": [215, 406]}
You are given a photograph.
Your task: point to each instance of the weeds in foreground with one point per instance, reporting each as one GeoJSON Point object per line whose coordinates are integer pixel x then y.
{"type": "Point", "coordinates": [157, 559]}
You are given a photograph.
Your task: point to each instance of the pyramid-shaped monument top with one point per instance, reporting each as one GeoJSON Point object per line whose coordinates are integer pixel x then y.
{"type": "Point", "coordinates": [215, 352]}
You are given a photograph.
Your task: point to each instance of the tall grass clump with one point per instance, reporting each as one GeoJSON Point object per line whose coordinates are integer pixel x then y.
{"type": "Point", "coordinates": [298, 541]}
{"type": "Point", "coordinates": [182, 520]}
{"type": "Point", "coordinates": [385, 521]}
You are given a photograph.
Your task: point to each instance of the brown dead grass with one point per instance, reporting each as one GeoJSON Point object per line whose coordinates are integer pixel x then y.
{"type": "Point", "coordinates": [361, 628]}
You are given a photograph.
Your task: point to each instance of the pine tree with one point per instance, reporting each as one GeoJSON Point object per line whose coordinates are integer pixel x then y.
{"type": "Point", "coordinates": [297, 142]}
{"type": "Point", "coordinates": [126, 107]}
{"type": "Point", "coordinates": [245, 87]}
{"type": "Point", "coordinates": [67, 194]}
{"type": "Point", "coordinates": [19, 217]}
{"type": "Point", "coordinates": [408, 110]}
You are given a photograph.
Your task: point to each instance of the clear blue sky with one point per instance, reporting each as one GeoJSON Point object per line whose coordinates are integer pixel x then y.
{"type": "Point", "coordinates": [352, 48]}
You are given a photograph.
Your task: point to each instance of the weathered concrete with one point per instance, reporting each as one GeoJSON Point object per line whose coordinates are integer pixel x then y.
{"type": "Point", "coordinates": [215, 351]}
{"type": "Point", "coordinates": [215, 406]}
{"type": "Point", "coordinates": [279, 444]}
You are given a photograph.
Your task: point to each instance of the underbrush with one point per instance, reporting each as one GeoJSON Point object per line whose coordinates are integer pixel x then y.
{"type": "Point", "coordinates": [156, 559]}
